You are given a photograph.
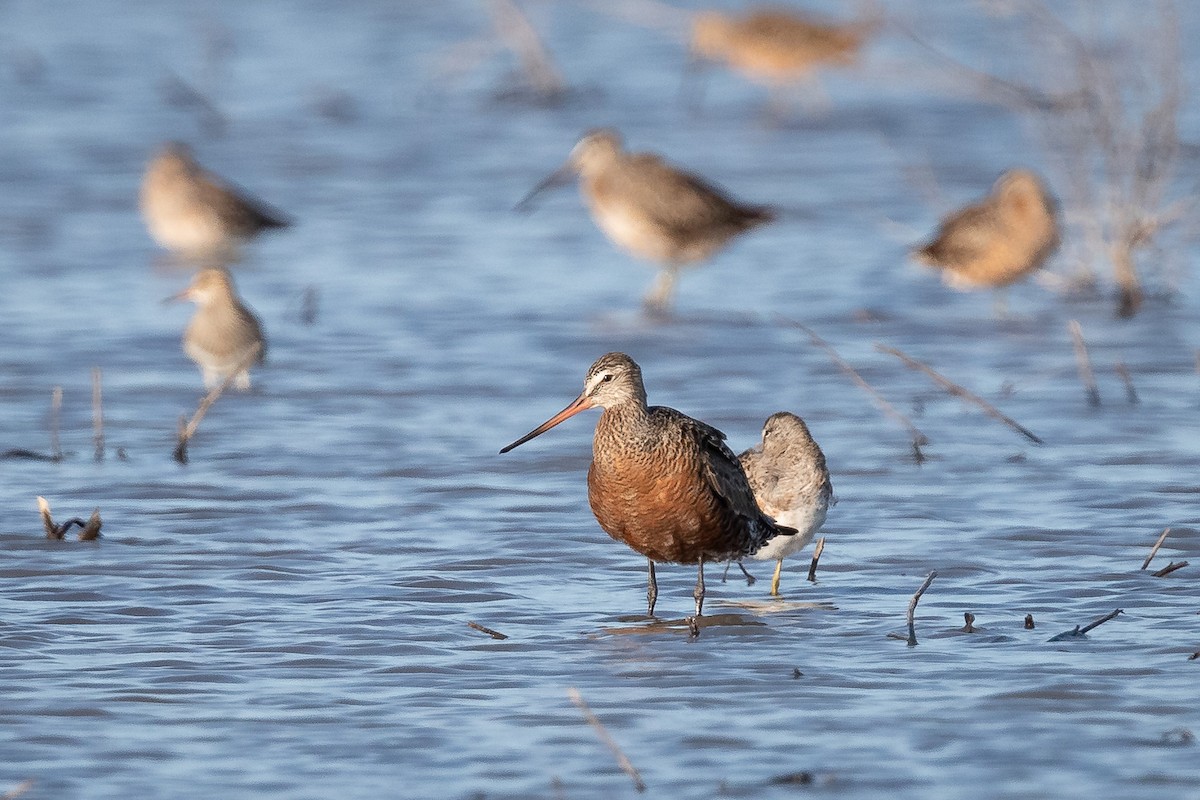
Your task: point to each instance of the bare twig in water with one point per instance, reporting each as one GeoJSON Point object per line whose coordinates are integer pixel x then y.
{"type": "Point", "coordinates": [1083, 363]}
{"type": "Point", "coordinates": [1194, 656]}
{"type": "Point", "coordinates": [959, 391]}
{"type": "Point", "coordinates": [918, 439]}
{"type": "Point", "coordinates": [1102, 620]}
{"type": "Point", "coordinates": [969, 618]}
{"type": "Point", "coordinates": [1169, 568]}
{"type": "Point", "coordinates": [812, 568]}
{"type": "Point", "coordinates": [97, 414]}
{"type": "Point", "coordinates": [1029, 624]}
{"type": "Point", "coordinates": [622, 760]}
{"type": "Point", "coordinates": [518, 35]}
{"type": "Point", "coordinates": [89, 531]}
{"type": "Point", "coordinates": [55, 415]}
{"type": "Point", "coordinates": [483, 629]}
{"type": "Point", "coordinates": [1154, 550]}
{"type": "Point", "coordinates": [1123, 373]}
{"type": "Point", "coordinates": [912, 609]}
{"type": "Point", "coordinates": [188, 430]}
{"type": "Point", "coordinates": [18, 790]}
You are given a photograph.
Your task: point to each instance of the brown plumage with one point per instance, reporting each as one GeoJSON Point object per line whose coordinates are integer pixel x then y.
{"type": "Point", "coordinates": [791, 483]}
{"type": "Point", "coordinates": [661, 482]}
{"type": "Point", "coordinates": [999, 240]}
{"type": "Point", "coordinates": [652, 209]}
{"type": "Point", "coordinates": [223, 334]}
{"type": "Point", "coordinates": [776, 46]}
{"type": "Point", "coordinates": [193, 212]}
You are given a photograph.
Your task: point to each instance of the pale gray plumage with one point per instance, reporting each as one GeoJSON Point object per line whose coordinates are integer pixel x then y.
{"type": "Point", "coordinates": [223, 333]}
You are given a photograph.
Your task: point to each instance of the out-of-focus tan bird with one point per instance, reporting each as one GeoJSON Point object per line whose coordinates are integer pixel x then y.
{"type": "Point", "coordinates": [999, 240]}
{"type": "Point", "coordinates": [224, 337]}
{"type": "Point", "coordinates": [777, 47]}
{"type": "Point", "coordinates": [652, 209]}
{"type": "Point", "coordinates": [791, 484]}
{"type": "Point", "coordinates": [193, 212]}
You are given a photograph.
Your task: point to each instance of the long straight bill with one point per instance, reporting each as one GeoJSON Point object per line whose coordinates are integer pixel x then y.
{"type": "Point", "coordinates": [581, 403]}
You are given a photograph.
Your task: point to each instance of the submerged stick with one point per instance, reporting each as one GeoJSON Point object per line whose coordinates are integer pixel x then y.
{"type": "Point", "coordinates": [188, 430]}
{"type": "Point", "coordinates": [55, 414]}
{"type": "Point", "coordinates": [1123, 373]}
{"type": "Point", "coordinates": [1029, 623]}
{"type": "Point", "coordinates": [1083, 363]}
{"type": "Point", "coordinates": [918, 438]}
{"type": "Point", "coordinates": [89, 530]}
{"type": "Point", "coordinates": [1169, 568]}
{"type": "Point", "coordinates": [52, 531]}
{"type": "Point", "coordinates": [1154, 550]}
{"type": "Point", "coordinates": [812, 568]}
{"type": "Point", "coordinates": [960, 391]}
{"type": "Point", "coordinates": [969, 619]}
{"type": "Point", "coordinates": [622, 760]}
{"type": "Point", "coordinates": [97, 414]}
{"type": "Point", "coordinates": [482, 629]}
{"type": "Point", "coordinates": [1102, 620]}
{"type": "Point", "coordinates": [912, 609]}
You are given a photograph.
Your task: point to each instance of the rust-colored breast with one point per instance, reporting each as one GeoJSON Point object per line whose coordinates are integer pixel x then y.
{"type": "Point", "coordinates": [657, 497]}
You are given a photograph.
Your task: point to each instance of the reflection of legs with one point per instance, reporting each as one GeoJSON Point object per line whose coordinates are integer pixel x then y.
{"type": "Point", "coordinates": [651, 591]}
{"type": "Point", "coordinates": [775, 580]}
{"type": "Point", "coordinates": [658, 301]}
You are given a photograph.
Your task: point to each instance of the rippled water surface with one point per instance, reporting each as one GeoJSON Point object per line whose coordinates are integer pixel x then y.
{"type": "Point", "coordinates": [286, 616]}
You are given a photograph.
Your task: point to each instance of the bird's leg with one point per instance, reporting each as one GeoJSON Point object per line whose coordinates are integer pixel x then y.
{"type": "Point", "coordinates": [750, 579]}
{"type": "Point", "coordinates": [694, 622]}
{"type": "Point", "coordinates": [658, 300]}
{"type": "Point", "coordinates": [775, 580]}
{"type": "Point", "coordinates": [651, 590]}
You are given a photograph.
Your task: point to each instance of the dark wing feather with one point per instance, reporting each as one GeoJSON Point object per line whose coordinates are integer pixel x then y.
{"type": "Point", "coordinates": [962, 237]}
{"type": "Point", "coordinates": [681, 202]}
{"type": "Point", "coordinates": [238, 209]}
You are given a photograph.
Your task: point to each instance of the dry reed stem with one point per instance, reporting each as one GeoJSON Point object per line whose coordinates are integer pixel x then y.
{"type": "Point", "coordinates": [483, 629]}
{"type": "Point", "coordinates": [1130, 391]}
{"type": "Point", "coordinates": [812, 568]}
{"type": "Point", "coordinates": [1097, 623]}
{"type": "Point", "coordinates": [55, 416]}
{"type": "Point", "coordinates": [97, 414]}
{"type": "Point", "coordinates": [912, 609]}
{"type": "Point", "coordinates": [918, 438]}
{"type": "Point", "coordinates": [622, 760]}
{"type": "Point", "coordinates": [188, 430]}
{"type": "Point", "coordinates": [52, 531]}
{"type": "Point", "coordinates": [518, 35]}
{"type": "Point", "coordinates": [1154, 550]}
{"type": "Point", "coordinates": [959, 391]}
{"type": "Point", "coordinates": [1169, 568]}
{"type": "Point", "coordinates": [1083, 363]}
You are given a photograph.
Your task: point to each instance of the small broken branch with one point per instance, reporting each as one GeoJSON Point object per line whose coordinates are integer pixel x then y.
{"type": "Point", "coordinates": [89, 530]}
{"type": "Point", "coordinates": [488, 631]}
{"type": "Point", "coordinates": [959, 391]}
{"type": "Point", "coordinates": [97, 414]}
{"type": "Point", "coordinates": [622, 760]}
{"type": "Point", "coordinates": [1029, 623]}
{"type": "Point", "coordinates": [1102, 620]}
{"type": "Point", "coordinates": [1083, 363]}
{"type": "Point", "coordinates": [1154, 550]}
{"type": "Point", "coordinates": [812, 568]}
{"type": "Point", "coordinates": [912, 609]}
{"type": "Point", "coordinates": [918, 438]}
{"type": "Point", "coordinates": [18, 790]}
{"type": "Point", "coordinates": [55, 415]}
{"type": "Point", "coordinates": [518, 35]}
{"type": "Point", "coordinates": [188, 430]}
{"type": "Point", "coordinates": [1169, 568]}
{"type": "Point", "coordinates": [969, 619]}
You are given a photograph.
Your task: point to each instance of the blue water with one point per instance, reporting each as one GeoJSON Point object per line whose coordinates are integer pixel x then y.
{"type": "Point", "coordinates": [286, 616]}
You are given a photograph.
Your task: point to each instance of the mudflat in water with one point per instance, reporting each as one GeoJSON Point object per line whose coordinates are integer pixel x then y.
{"type": "Point", "coordinates": [286, 616]}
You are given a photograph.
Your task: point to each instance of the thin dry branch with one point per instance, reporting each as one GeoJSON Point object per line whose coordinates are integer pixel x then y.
{"type": "Point", "coordinates": [518, 35]}
{"type": "Point", "coordinates": [188, 429]}
{"type": "Point", "coordinates": [483, 629]}
{"type": "Point", "coordinates": [18, 790]}
{"type": "Point", "coordinates": [912, 609]}
{"type": "Point", "coordinates": [918, 438]}
{"type": "Point", "coordinates": [959, 391]}
{"type": "Point", "coordinates": [812, 568]}
{"type": "Point", "coordinates": [622, 760]}
{"type": "Point", "coordinates": [97, 414]}
{"type": "Point", "coordinates": [1169, 568]}
{"type": "Point", "coordinates": [1130, 391]}
{"type": "Point", "coordinates": [1084, 363]}
{"type": "Point", "coordinates": [1154, 550]}
{"type": "Point", "coordinates": [1097, 623]}
{"type": "Point", "coordinates": [56, 453]}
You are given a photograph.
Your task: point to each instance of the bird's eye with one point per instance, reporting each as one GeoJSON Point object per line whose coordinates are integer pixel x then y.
{"type": "Point", "coordinates": [606, 378]}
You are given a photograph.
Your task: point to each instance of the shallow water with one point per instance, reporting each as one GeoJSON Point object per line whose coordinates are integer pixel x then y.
{"type": "Point", "coordinates": [286, 616]}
